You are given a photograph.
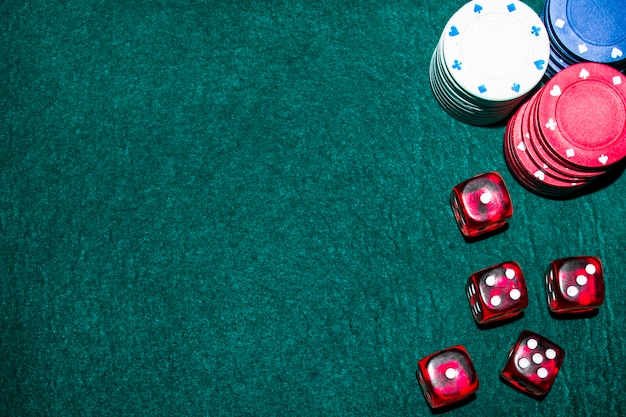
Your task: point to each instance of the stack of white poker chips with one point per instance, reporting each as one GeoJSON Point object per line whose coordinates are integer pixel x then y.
{"type": "Point", "coordinates": [490, 56]}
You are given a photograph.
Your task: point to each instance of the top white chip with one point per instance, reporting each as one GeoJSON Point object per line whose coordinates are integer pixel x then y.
{"type": "Point", "coordinates": [496, 50]}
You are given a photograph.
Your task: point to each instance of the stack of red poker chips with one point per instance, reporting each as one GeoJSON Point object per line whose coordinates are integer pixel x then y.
{"type": "Point", "coordinates": [570, 132]}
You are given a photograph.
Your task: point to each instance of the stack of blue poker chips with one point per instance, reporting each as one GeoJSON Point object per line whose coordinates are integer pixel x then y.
{"type": "Point", "coordinates": [585, 31]}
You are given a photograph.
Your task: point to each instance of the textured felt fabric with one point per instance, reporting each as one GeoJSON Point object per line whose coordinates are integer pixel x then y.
{"type": "Point", "coordinates": [240, 208]}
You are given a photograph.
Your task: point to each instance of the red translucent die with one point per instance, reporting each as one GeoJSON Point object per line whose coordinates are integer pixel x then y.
{"type": "Point", "coordinates": [481, 204]}
{"type": "Point", "coordinates": [447, 376]}
{"type": "Point", "coordinates": [533, 364]}
{"type": "Point", "coordinates": [497, 293]}
{"type": "Point", "coordinates": [575, 284]}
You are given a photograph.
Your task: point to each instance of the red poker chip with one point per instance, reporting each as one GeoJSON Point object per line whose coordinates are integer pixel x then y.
{"type": "Point", "coordinates": [572, 112]}
{"type": "Point", "coordinates": [540, 152]}
{"type": "Point", "coordinates": [537, 173]}
{"type": "Point", "coordinates": [526, 171]}
{"type": "Point", "coordinates": [512, 162]}
{"type": "Point", "coordinates": [530, 143]}
{"type": "Point", "coordinates": [530, 183]}
{"type": "Point", "coordinates": [551, 157]}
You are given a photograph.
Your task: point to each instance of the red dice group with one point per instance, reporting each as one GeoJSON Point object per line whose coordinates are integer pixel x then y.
{"type": "Point", "coordinates": [573, 286]}
{"type": "Point", "coordinates": [448, 376]}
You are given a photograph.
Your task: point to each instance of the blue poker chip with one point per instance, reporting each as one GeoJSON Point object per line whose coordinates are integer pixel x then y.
{"type": "Point", "coordinates": [588, 30]}
{"type": "Point", "coordinates": [558, 51]}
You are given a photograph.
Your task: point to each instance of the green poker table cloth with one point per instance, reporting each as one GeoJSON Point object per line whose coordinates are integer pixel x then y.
{"type": "Point", "coordinates": [240, 208]}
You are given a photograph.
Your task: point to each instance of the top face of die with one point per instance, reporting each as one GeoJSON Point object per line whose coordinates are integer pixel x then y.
{"type": "Point", "coordinates": [497, 293]}
{"type": "Point", "coordinates": [481, 204]}
{"type": "Point", "coordinates": [503, 287]}
{"type": "Point", "coordinates": [534, 363]}
{"type": "Point", "coordinates": [575, 284]}
{"type": "Point", "coordinates": [485, 196]}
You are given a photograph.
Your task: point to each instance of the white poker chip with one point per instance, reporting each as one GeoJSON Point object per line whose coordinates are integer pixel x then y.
{"type": "Point", "coordinates": [496, 50]}
{"type": "Point", "coordinates": [459, 105]}
{"type": "Point", "coordinates": [489, 57]}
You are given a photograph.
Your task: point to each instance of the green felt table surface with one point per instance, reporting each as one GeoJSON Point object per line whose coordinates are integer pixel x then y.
{"type": "Point", "coordinates": [240, 208]}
